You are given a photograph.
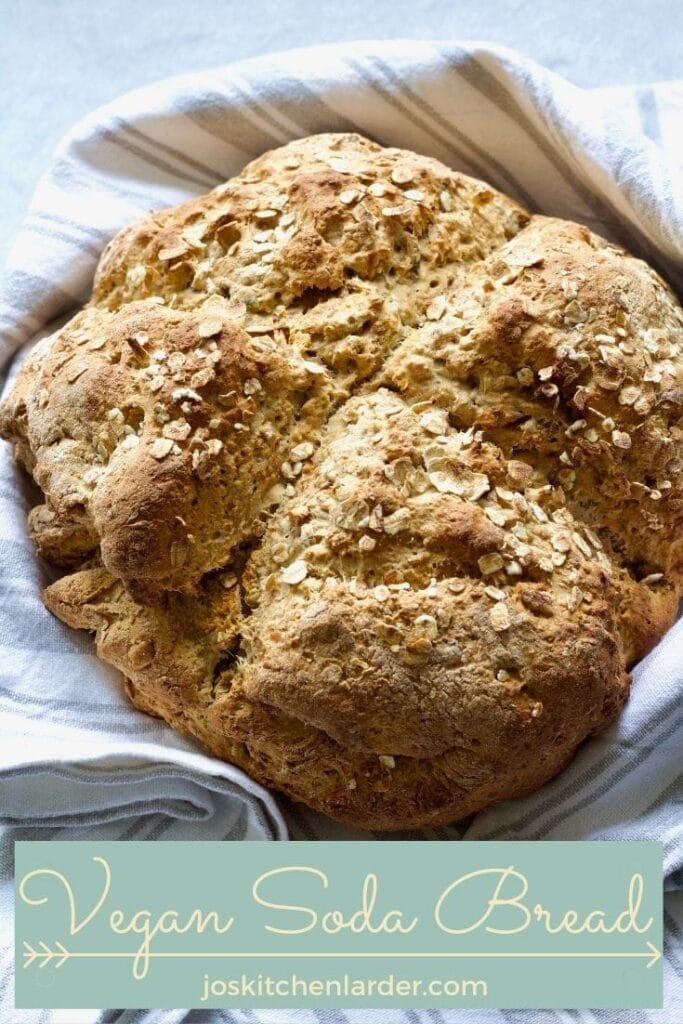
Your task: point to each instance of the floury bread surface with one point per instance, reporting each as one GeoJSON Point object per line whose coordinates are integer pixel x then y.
{"type": "Point", "coordinates": [365, 477]}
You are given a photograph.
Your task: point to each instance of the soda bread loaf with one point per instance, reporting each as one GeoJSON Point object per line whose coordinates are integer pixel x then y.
{"type": "Point", "coordinates": [365, 477]}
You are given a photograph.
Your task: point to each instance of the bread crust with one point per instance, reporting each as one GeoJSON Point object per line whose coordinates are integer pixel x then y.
{"type": "Point", "coordinates": [364, 477]}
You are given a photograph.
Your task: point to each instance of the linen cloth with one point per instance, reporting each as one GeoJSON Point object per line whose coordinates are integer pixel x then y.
{"type": "Point", "coordinates": [76, 761]}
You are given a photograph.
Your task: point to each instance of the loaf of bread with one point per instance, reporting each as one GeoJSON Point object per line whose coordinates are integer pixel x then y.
{"type": "Point", "coordinates": [365, 477]}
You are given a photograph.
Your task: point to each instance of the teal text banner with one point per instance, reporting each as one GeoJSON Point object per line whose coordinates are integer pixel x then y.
{"type": "Point", "coordinates": [348, 925]}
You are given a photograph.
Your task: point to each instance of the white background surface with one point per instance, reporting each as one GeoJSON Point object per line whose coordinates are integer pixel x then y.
{"type": "Point", "coordinates": [59, 59]}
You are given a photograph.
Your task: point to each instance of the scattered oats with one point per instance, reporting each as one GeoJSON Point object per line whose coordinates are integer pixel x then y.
{"type": "Point", "coordinates": [387, 761]}
{"type": "Point", "coordinates": [295, 573]}
{"type": "Point", "coordinates": [445, 201]}
{"type": "Point", "coordinates": [252, 386]}
{"type": "Point", "coordinates": [213, 446]}
{"type": "Point", "coordinates": [537, 512]}
{"type": "Point", "coordinates": [583, 545]}
{"type": "Point", "coordinates": [427, 626]}
{"type": "Point", "coordinates": [505, 495]}
{"type": "Point", "coordinates": [136, 275]}
{"type": "Point", "coordinates": [499, 616]}
{"type": "Point", "coordinates": [402, 175]}
{"type": "Point", "coordinates": [395, 211]}
{"type": "Point", "coordinates": [574, 313]}
{"type": "Point", "coordinates": [621, 439]}
{"type": "Point", "coordinates": [179, 394]}
{"type": "Point", "coordinates": [561, 541]}
{"type": "Point", "coordinates": [228, 580]}
{"type": "Point", "coordinates": [435, 422]}
{"type": "Point", "coordinates": [592, 537]}
{"type": "Point", "coordinates": [416, 194]}
{"type": "Point", "coordinates": [495, 593]}
{"type": "Point", "coordinates": [607, 424]}
{"type": "Point", "coordinates": [536, 709]}
{"type": "Point", "coordinates": [654, 577]}
{"type": "Point", "coordinates": [115, 415]}
{"type": "Point", "coordinates": [502, 676]}
{"type": "Point", "coordinates": [591, 435]}
{"type": "Point", "coordinates": [565, 459]}
{"type": "Point", "coordinates": [655, 495]}
{"type": "Point", "coordinates": [210, 327]}
{"type": "Point", "coordinates": [456, 586]}
{"type": "Point", "coordinates": [513, 568]}
{"type": "Point", "coordinates": [377, 189]}
{"type": "Point", "coordinates": [549, 390]}
{"type": "Point", "coordinates": [314, 368]}
{"type": "Point", "coordinates": [349, 195]}
{"type": "Point", "coordinates": [436, 308]}
{"type": "Point", "coordinates": [161, 413]}
{"type": "Point", "coordinates": [352, 784]}
{"type": "Point", "coordinates": [303, 451]}
{"type": "Point", "coordinates": [161, 447]}
{"type": "Point", "coordinates": [525, 376]}
{"type": "Point", "coordinates": [289, 470]}
{"type": "Point", "coordinates": [177, 430]}
{"type": "Point", "coordinates": [608, 339]}
{"type": "Point", "coordinates": [545, 564]}
{"type": "Point", "coordinates": [490, 563]}
{"type": "Point", "coordinates": [574, 427]}
{"type": "Point", "coordinates": [558, 558]}
{"type": "Point", "coordinates": [394, 523]}
{"type": "Point", "coordinates": [546, 372]}
{"type": "Point", "coordinates": [267, 214]}
{"type": "Point", "coordinates": [629, 395]}
{"type": "Point", "coordinates": [97, 343]}
{"type": "Point", "coordinates": [376, 519]}
{"type": "Point", "coordinates": [173, 252]}
{"type": "Point", "coordinates": [381, 592]}
{"type": "Point", "coordinates": [176, 361]}
{"type": "Point", "coordinates": [74, 372]}
{"type": "Point", "coordinates": [367, 544]}
{"type": "Point", "coordinates": [497, 515]}
{"type": "Point", "coordinates": [468, 485]}
{"type": "Point", "coordinates": [433, 589]}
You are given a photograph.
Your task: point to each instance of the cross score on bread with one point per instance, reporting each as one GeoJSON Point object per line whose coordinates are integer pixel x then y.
{"type": "Point", "coordinates": [364, 477]}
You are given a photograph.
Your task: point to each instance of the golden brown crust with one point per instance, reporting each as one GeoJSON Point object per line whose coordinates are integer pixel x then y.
{"type": "Point", "coordinates": [370, 480]}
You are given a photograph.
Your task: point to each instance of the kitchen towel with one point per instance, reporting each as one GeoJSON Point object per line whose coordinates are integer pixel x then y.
{"type": "Point", "coordinates": [76, 761]}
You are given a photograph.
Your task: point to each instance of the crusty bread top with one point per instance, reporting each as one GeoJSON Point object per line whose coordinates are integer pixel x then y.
{"type": "Point", "coordinates": [357, 444]}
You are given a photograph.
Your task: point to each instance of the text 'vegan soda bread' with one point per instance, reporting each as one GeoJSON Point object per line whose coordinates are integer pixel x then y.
{"type": "Point", "coordinates": [365, 477]}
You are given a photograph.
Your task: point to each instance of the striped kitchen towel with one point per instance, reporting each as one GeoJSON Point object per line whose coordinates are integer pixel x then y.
{"type": "Point", "coordinates": [76, 761]}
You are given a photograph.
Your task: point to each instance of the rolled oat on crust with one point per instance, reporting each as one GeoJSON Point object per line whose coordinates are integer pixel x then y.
{"type": "Point", "coordinates": [365, 477]}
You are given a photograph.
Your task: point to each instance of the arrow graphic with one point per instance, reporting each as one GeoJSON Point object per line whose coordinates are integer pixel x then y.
{"type": "Point", "coordinates": [60, 954]}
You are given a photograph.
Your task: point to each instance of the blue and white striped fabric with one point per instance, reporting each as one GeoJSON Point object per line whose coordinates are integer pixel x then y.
{"type": "Point", "coordinates": [75, 760]}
